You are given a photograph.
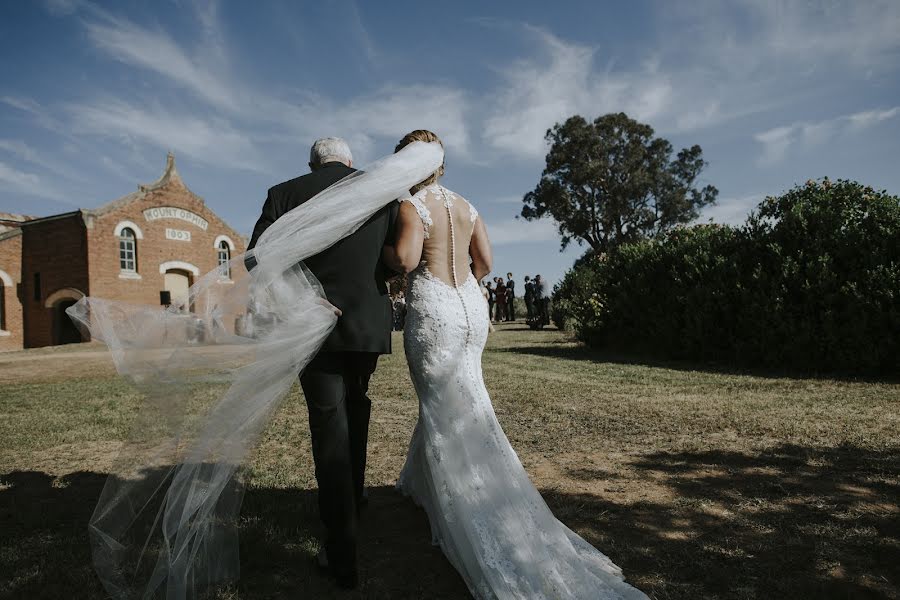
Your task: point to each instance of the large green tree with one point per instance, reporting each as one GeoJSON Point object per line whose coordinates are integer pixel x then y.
{"type": "Point", "coordinates": [611, 181]}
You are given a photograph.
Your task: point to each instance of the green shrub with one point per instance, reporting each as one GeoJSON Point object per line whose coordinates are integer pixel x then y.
{"type": "Point", "coordinates": [810, 282]}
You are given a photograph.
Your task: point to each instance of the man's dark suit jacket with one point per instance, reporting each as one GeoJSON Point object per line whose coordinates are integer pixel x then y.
{"type": "Point", "coordinates": [351, 271]}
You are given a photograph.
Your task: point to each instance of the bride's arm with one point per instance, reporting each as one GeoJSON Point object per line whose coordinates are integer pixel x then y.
{"type": "Point", "coordinates": [480, 251]}
{"type": "Point", "coordinates": [406, 253]}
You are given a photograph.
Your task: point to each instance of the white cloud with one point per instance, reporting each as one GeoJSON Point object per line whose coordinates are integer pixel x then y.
{"type": "Point", "coordinates": [22, 150]}
{"type": "Point", "coordinates": [778, 141]}
{"type": "Point", "coordinates": [387, 112]}
{"type": "Point", "coordinates": [27, 153]}
{"type": "Point", "coordinates": [40, 114]}
{"type": "Point", "coordinates": [513, 231]}
{"type": "Point", "coordinates": [536, 93]}
{"type": "Point", "coordinates": [16, 181]}
{"type": "Point", "coordinates": [870, 117]}
{"type": "Point", "coordinates": [155, 51]}
{"type": "Point", "coordinates": [731, 211]}
{"type": "Point", "coordinates": [731, 60]}
{"type": "Point", "coordinates": [827, 34]}
{"type": "Point", "coordinates": [507, 200]}
{"type": "Point", "coordinates": [61, 8]}
{"type": "Point", "coordinates": [208, 140]}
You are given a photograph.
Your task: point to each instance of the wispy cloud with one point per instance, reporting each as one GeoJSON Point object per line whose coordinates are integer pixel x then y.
{"type": "Point", "coordinates": [243, 112]}
{"type": "Point", "coordinates": [562, 81]}
{"type": "Point", "coordinates": [778, 141]}
{"type": "Point", "coordinates": [512, 231]}
{"type": "Point", "coordinates": [28, 154]}
{"type": "Point", "coordinates": [362, 33]}
{"type": "Point", "coordinates": [731, 210]}
{"type": "Point", "coordinates": [508, 199]}
{"type": "Point", "coordinates": [155, 51]}
{"type": "Point", "coordinates": [731, 60]}
{"type": "Point", "coordinates": [711, 63]}
{"type": "Point", "coordinates": [40, 115]}
{"type": "Point", "coordinates": [16, 181]}
{"type": "Point", "coordinates": [207, 140]}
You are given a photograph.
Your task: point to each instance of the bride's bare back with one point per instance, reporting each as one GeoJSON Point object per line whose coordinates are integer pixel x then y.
{"type": "Point", "coordinates": [441, 231]}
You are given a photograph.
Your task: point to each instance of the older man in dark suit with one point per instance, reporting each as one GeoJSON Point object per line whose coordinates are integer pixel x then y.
{"type": "Point", "coordinates": [336, 382]}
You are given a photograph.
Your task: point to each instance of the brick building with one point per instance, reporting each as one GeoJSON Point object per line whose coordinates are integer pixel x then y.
{"type": "Point", "coordinates": [161, 237]}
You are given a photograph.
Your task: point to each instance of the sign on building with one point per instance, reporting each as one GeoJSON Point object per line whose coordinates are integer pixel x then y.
{"type": "Point", "coordinates": [171, 212]}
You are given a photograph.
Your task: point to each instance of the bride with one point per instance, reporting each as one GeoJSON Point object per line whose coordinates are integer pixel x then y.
{"type": "Point", "coordinates": [486, 515]}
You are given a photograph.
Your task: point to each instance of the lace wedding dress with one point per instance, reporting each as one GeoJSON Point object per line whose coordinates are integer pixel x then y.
{"type": "Point", "coordinates": [485, 513]}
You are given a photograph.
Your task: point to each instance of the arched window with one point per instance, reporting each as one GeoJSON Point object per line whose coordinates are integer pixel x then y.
{"type": "Point", "coordinates": [128, 250]}
{"type": "Point", "coordinates": [224, 252]}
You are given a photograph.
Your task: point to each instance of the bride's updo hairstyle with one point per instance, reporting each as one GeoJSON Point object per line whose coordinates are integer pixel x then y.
{"type": "Point", "coordinates": [422, 135]}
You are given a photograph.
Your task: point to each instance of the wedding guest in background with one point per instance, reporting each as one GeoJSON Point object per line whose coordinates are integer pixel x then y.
{"type": "Point", "coordinates": [486, 292]}
{"type": "Point", "coordinates": [529, 298]}
{"type": "Point", "coordinates": [510, 298]}
{"type": "Point", "coordinates": [500, 300]}
{"type": "Point", "coordinates": [542, 299]}
{"type": "Point", "coordinates": [491, 298]}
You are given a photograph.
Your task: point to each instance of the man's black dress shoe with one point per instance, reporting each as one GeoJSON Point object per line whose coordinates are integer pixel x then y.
{"type": "Point", "coordinates": [347, 580]}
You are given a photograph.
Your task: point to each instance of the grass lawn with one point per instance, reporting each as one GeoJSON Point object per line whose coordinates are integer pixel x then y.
{"type": "Point", "coordinates": [699, 483]}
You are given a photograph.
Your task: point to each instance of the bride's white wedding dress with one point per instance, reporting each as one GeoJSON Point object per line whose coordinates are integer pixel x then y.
{"type": "Point", "coordinates": [485, 513]}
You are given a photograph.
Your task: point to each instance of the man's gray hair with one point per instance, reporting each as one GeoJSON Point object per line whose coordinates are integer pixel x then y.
{"type": "Point", "coordinates": [330, 149]}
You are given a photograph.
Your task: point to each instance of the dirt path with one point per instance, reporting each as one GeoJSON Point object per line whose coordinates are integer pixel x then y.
{"type": "Point", "coordinates": [57, 364]}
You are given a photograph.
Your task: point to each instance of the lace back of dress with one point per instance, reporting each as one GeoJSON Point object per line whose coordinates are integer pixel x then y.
{"type": "Point", "coordinates": [449, 229]}
{"type": "Point", "coordinates": [448, 204]}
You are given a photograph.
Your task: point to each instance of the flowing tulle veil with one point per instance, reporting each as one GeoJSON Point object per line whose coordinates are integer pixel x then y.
{"type": "Point", "coordinates": [166, 521]}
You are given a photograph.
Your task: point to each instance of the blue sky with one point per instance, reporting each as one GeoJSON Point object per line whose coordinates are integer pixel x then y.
{"type": "Point", "coordinates": [92, 95]}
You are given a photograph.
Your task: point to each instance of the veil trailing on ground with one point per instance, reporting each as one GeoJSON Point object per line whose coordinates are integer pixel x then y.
{"type": "Point", "coordinates": [213, 370]}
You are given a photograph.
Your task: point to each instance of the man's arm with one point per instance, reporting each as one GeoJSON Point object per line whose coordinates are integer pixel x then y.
{"type": "Point", "coordinates": [269, 215]}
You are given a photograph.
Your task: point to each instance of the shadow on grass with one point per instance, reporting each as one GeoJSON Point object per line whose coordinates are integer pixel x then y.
{"type": "Point", "coordinates": [568, 350]}
{"type": "Point", "coordinates": [45, 551]}
{"type": "Point", "coordinates": [790, 523]}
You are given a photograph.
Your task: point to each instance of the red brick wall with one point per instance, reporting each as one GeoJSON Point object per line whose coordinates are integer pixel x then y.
{"type": "Point", "coordinates": [154, 249]}
{"type": "Point", "coordinates": [11, 264]}
{"type": "Point", "coordinates": [81, 251]}
{"type": "Point", "coordinates": [56, 249]}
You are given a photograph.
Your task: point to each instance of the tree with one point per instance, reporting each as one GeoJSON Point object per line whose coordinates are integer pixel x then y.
{"type": "Point", "coordinates": [611, 182]}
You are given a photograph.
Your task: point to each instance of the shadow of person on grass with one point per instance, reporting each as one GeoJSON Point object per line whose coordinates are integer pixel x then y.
{"type": "Point", "coordinates": [45, 549]}
{"type": "Point", "coordinates": [792, 522]}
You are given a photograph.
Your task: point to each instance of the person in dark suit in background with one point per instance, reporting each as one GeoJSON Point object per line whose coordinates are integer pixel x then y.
{"type": "Point", "coordinates": [510, 298]}
{"type": "Point", "coordinates": [529, 298]}
{"type": "Point", "coordinates": [542, 300]}
{"type": "Point", "coordinates": [500, 301]}
{"type": "Point", "coordinates": [490, 300]}
{"type": "Point", "coordinates": [336, 381]}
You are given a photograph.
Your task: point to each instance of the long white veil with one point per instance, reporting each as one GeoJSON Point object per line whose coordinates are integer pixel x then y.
{"type": "Point", "coordinates": [213, 372]}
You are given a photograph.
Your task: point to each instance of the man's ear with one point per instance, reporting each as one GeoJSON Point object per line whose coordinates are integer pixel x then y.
{"type": "Point", "coordinates": [350, 163]}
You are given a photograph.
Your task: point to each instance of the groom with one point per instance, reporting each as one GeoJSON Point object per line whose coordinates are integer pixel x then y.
{"type": "Point", "coordinates": [336, 382]}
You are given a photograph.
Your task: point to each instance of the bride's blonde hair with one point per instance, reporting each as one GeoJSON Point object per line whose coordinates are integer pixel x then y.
{"type": "Point", "coordinates": [422, 135]}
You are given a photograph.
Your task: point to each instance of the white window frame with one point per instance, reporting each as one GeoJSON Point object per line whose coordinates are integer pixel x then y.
{"type": "Point", "coordinates": [217, 244]}
{"type": "Point", "coordinates": [7, 283]}
{"type": "Point", "coordinates": [124, 271]}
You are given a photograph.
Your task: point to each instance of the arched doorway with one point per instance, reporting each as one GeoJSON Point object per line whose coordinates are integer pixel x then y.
{"type": "Point", "coordinates": [64, 330]}
{"type": "Point", "coordinates": [177, 283]}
